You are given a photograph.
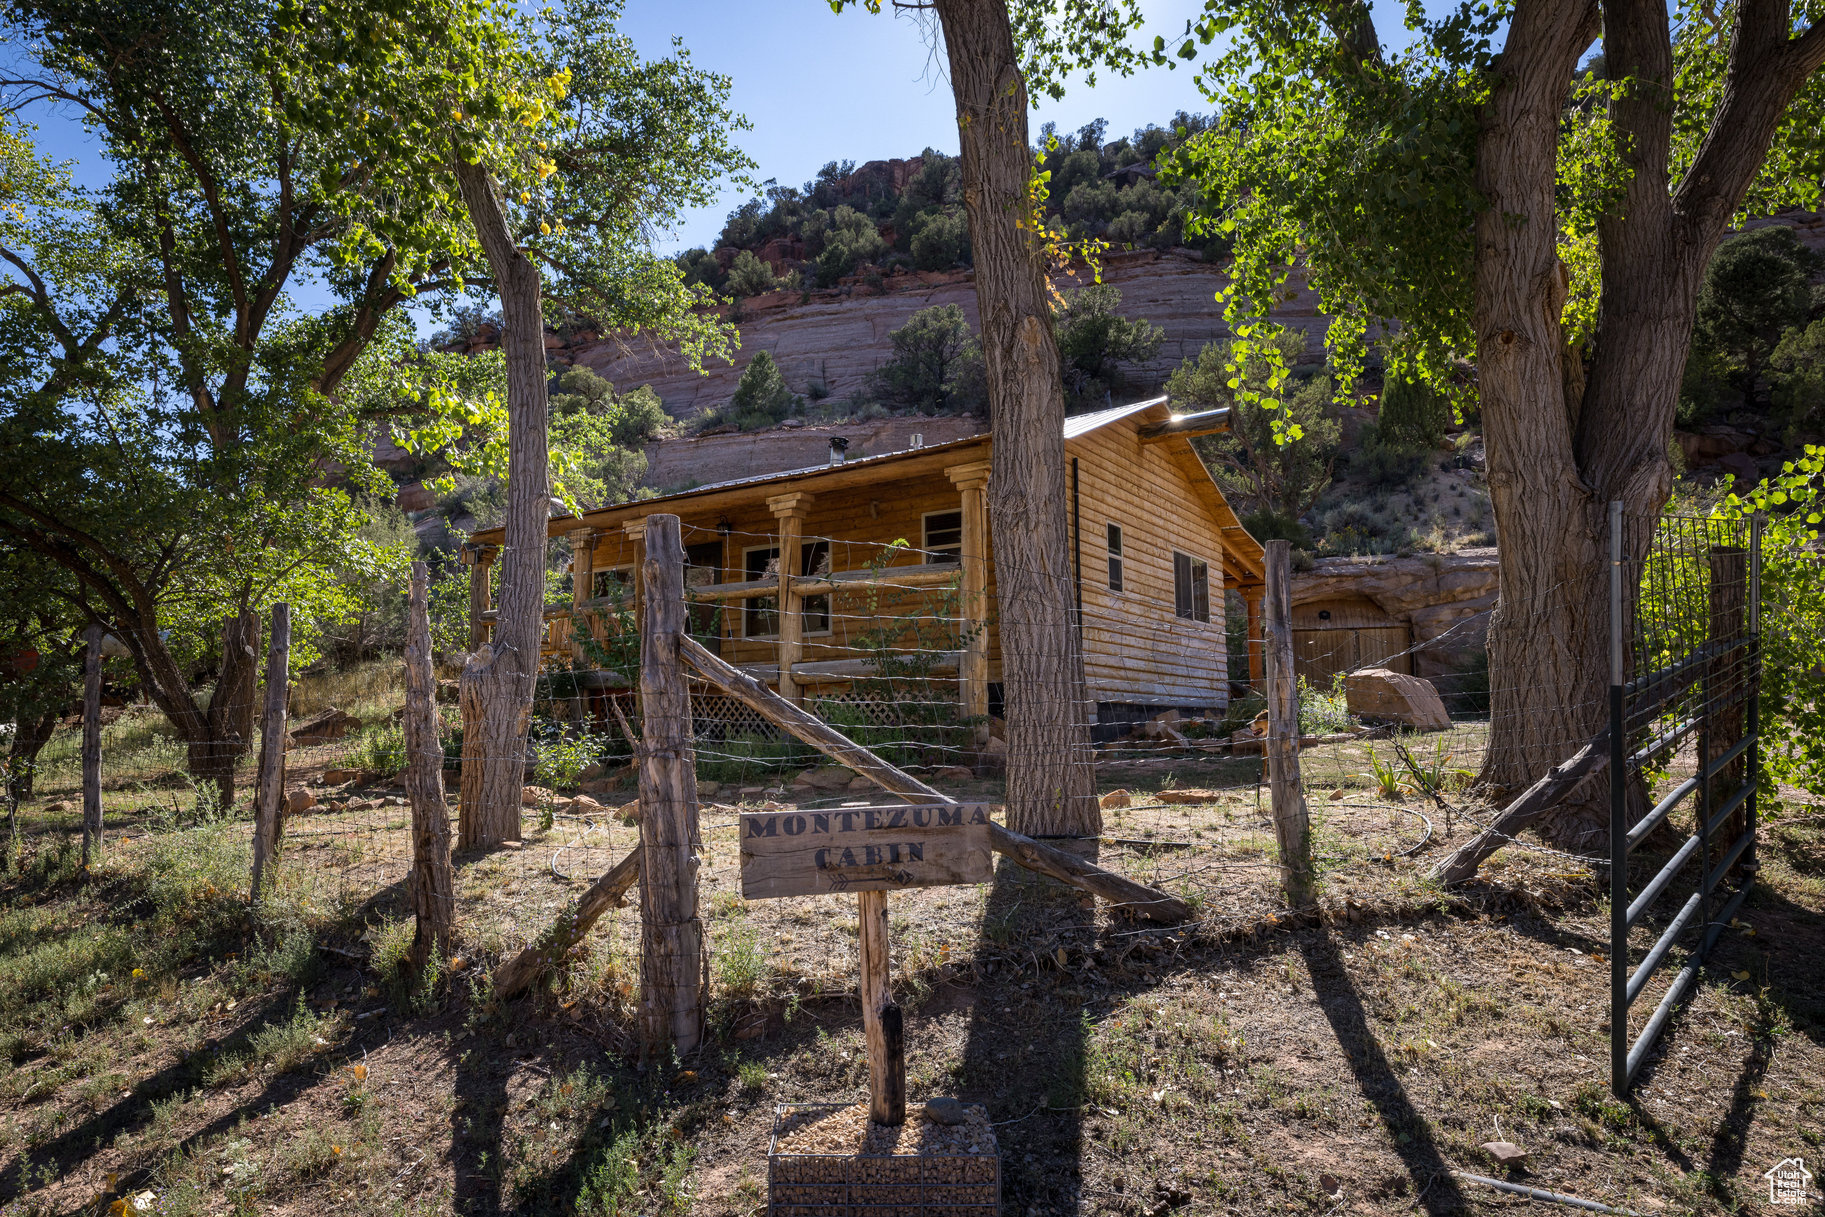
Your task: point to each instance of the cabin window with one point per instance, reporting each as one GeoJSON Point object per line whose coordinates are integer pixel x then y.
{"type": "Point", "coordinates": [944, 536]}
{"type": "Point", "coordinates": [760, 614]}
{"type": "Point", "coordinates": [1190, 587]}
{"type": "Point", "coordinates": [1115, 557]}
{"type": "Point", "coordinates": [814, 559]}
{"type": "Point", "coordinates": [616, 583]}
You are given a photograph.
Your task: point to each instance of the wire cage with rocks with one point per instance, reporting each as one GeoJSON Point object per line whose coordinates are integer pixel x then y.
{"type": "Point", "coordinates": [831, 1160]}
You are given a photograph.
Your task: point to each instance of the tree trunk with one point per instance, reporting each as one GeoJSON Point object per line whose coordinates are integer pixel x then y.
{"type": "Point", "coordinates": [1547, 637]}
{"type": "Point", "coordinates": [430, 886]}
{"type": "Point", "coordinates": [227, 725]}
{"type": "Point", "coordinates": [504, 682]}
{"type": "Point", "coordinates": [1051, 782]}
{"type": "Point", "coordinates": [1564, 441]}
{"type": "Point", "coordinates": [29, 738]}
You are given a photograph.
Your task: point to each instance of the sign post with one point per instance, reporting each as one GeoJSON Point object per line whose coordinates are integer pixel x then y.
{"type": "Point", "coordinates": [868, 851]}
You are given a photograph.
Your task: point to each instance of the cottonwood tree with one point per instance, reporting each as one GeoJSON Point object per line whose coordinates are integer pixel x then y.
{"type": "Point", "coordinates": [1551, 224]}
{"type": "Point", "coordinates": [567, 150]}
{"type": "Point", "coordinates": [169, 414]}
{"type": "Point", "coordinates": [990, 50]}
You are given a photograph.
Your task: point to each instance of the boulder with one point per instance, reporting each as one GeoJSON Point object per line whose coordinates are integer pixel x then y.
{"type": "Point", "coordinates": [629, 812]}
{"type": "Point", "coordinates": [1742, 467]}
{"type": "Point", "coordinates": [825, 777]}
{"type": "Point", "coordinates": [1115, 799]}
{"type": "Point", "coordinates": [1505, 1152]}
{"type": "Point", "coordinates": [708, 790]}
{"type": "Point", "coordinates": [532, 796]}
{"type": "Point", "coordinates": [297, 802]}
{"type": "Point", "coordinates": [583, 805]}
{"type": "Point", "coordinates": [1380, 693]}
{"type": "Point", "coordinates": [953, 773]}
{"type": "Point", "coordinates": [327, 727]}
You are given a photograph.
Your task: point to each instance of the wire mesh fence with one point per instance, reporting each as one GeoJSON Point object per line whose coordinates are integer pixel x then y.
{"type": "Point", "coordinates": [884, 660]}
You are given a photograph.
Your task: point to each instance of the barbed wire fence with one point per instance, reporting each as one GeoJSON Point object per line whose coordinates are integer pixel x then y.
{"type": "Point", "coordinates": [889, 644]}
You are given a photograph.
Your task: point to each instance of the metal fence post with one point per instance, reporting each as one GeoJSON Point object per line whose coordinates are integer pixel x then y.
{"type": "Point", "coordinates": [1752, 713]}
{"type": "Point", "coordinates": [91, 748]}
{"type": "Point", "coordinates": [1619, 845]}
{"type": "Point", "coordinates": [269, 787]}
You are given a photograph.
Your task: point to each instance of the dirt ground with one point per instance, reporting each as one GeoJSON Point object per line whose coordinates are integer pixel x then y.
{"type": "Point", "coordinates": [1350, 1060]}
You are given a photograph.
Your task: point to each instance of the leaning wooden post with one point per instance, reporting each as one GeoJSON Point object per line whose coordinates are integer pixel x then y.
{"type": "Point", "coordinates": [882, 1023]}
{"type": "Point", "coordinates": [1292, 823]}
{"type": "Point", "coordinates": [429, 887]}
{"type": "Point", "coordinates": [91, 748]}
{"type": "Point", "coordinates": [479, 558]}
{"type": "Point", "coordinates": [671, 936]}
{"type": "Point", "coordinates": [270, 787]}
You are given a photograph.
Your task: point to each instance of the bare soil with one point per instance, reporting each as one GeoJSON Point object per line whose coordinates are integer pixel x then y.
{"type": "Point", "coordinates": [1347, 1059]}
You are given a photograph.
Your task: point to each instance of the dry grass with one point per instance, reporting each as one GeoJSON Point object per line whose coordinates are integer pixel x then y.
{"type": "Point", "coordinates": [1338, 1063]}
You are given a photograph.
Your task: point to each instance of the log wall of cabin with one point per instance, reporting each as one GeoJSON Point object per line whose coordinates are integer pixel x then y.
{"type": "Point", "coordinates": [1136, 649]}
{"type": "Point", "coordinates": [860, 523]}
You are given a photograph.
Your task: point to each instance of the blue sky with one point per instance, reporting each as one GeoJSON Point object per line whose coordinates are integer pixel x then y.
{"type": "Point", "coordinates": [821, 86]}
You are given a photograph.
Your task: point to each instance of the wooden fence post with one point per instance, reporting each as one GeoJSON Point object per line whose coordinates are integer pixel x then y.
{"type": "Point", "coordinates": [671, 935]}
{"type": "Point", "coordinates": [1726, 680]}
{"type": "Point", "coordinates": [430, 886]}
{"type": "Point", "coordinates": [882, 1022]}
{"type": "Point", "coordinates": [91, 748]}
{"type": "Point", "coordinates": [1292, 823]}
{"type": "Point", "coordinates": [270, 787]}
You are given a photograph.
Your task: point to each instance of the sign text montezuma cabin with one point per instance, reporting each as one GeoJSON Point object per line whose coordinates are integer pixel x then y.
{"type": "Point", "coordinates": [863, 849]}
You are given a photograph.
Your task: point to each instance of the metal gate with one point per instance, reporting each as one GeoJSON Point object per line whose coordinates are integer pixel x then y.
{"type": "Point", "coordinates": [1691, 702]}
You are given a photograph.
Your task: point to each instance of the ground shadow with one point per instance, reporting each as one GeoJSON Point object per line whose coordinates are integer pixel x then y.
{"type": "Point", "coordinates": [1025, 1053]}
{"type": "Point", "coordinates": [1436, 1188]}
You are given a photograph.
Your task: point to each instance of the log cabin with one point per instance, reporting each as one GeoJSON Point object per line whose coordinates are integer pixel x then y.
{"type": "Point", "coordinates": [814, 579]}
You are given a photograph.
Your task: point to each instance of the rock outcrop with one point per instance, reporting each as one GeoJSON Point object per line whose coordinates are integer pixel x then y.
{"type": "Point", "coordinates": [838, 336]}
{"type": "Point", "coordinates": [1396, 697]}
{"type": "Point", "coordinates": [1445, 598]}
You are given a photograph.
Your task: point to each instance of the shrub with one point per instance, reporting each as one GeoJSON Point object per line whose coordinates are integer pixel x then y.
{"type": "Point", "coordinates": [749, 276]}
{"type": "Point", "coordinates": [1413, 414]}
{"type": "Point", "coordinates": [1094, 339]}
{"type": "Point", "coordinates": [761, 399]}
{"type": "Point", "coordinates": [937, 363]}
{"type": "Point", "coordinates": [1280, 480]}
{"type": "Point", "coordinates": [941, 240]}
{"type": "Point", "coordinates": [1385, 462]}
{"type": "Point", "coordinates": [1797, 373]}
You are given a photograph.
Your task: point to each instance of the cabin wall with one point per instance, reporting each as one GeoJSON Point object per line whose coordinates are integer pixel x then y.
{"type": "Point", "coordinates": [860, 524]}
{"type": "Point", "coordinates": [1137, 651]}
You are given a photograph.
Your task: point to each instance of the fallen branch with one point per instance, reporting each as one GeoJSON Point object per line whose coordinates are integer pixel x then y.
{"type": "Point", "coordinates": [1534, 802]}
{"type": "Point", "coordinates": [1539, 1193]}
{"type": "Point", "coordinates": [1121, 892]}
{"type": "Point", "coordinates": [517, 974]}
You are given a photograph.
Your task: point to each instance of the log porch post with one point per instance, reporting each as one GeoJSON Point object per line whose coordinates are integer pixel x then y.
{"type": "Point", "coordinates": [582, 581]}
{"type": "Point", "coordinates": [1251, 597]}
{"type": "Point", "coordinates": [635, 531]}
{"type": "Point", "coordinates": [479, 559]}
{"type": "Point", "coordinates": [790, 511]}
{"type": "Point", "coordinates": [972, 481]}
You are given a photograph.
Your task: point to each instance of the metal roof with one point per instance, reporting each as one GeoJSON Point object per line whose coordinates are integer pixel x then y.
{"type": "Point", "coordinates": [1075, 426]}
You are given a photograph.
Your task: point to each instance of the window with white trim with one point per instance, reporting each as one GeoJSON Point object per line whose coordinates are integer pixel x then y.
{"type": "Point", "coordinates": [943, 536]}
{"type": "Point", "coordinates": [1190, 587]}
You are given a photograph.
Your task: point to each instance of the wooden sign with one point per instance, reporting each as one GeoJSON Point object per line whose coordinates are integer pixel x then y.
{"type": "Point", "coordinates": [863, 849]}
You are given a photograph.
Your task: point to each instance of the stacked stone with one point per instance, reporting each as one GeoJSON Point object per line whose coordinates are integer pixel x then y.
{"type": "Point", "coordinates": [831, 1161]}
